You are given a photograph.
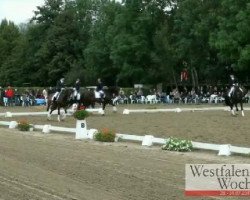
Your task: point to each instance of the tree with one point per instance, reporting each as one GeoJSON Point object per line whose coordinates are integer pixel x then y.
{"type": "Point", "coordinates": [232, 37]}
{"type": "Point", "coordinates": [9, 38]}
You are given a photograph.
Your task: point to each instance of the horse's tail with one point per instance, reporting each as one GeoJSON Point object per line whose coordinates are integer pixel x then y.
{"type": "Point", "coordinates": [49, 101]}
{"type": "Point", "coordinates": [48, 105]}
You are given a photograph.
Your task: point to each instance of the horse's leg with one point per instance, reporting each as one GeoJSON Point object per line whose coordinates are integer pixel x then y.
{"type": "Point", "coordinates": [242, 111]}
{"type": "Point", "coordinates": [113, 104]}
{"type": "Point", "coordinates": [58, 114]}
{"type": "Point", "coordinates": [78, 106]}
{"type": "Point", "coordinates": [232, 110]}
{"type": "Point", "coordinates": [102, 111]}
{"type": "Point", "coordinates": [236, 109]}
{"type": "Point", "coordinates": [236, 106]}
{"type": "Point", "coordinates": [51, 109]}
{"type": "Point", "coordinates": [65, 113]}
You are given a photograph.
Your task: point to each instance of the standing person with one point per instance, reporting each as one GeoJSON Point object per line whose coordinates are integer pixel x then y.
{"type": "Point", "coordinates": [5, 98]}
{"type": "Point", "coordinates": [10, 94]}
{"type": "Point", "coordinates": [59, 86]}
{"type": "Point", "coordinates": [77, 90]}
{"type": "Point", "coordinates": [99, 88]}
{"type": "Point", "coordinates": [45, 95]}
{"type": "Point", "coordinates": [1, 95]}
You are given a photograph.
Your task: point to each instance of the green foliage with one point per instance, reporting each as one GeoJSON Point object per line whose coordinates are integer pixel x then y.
{"type": "Point", "coordinates": [126, 43]}
{"type": "Point", "coordinates": [81, 114]}
{"type": "Point", "coordinates": [105, 135]}
{"type": "Point", "coordinates": [175, 144]}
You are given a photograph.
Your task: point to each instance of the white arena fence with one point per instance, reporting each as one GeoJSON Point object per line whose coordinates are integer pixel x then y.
{"type": "Point", "coordinates": [147, 140]}
{"type": "Point", "coordinates": [128, 111]}
{"type": "Point", "coordinates": [125, 111]}
{"type": "Point", "coordinates": [70, 112]}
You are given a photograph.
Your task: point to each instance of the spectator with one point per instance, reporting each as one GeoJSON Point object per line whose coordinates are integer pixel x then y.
{"type": "Point", "coordinates": [10, 94]}
{"type": "Point", "coordinates": [1, 95]}
{"type": "Point", "coordinates": [45, 95]}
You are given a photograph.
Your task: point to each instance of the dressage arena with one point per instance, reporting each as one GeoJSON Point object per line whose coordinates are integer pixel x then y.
{"type": "Point", "coordinates": [56, 166]}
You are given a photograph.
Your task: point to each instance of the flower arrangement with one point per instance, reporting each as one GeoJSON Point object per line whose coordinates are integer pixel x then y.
{"type": "Point", "coordinates": [23, 125]}
{"type": "Point", "coordinates": [105, 135]}
{"type": "Point", "coordinates": [82, 107]}
{"type": "Point", "coordinates": [81, 114]}
{"type": "Point", "coordinates": [175, 144]}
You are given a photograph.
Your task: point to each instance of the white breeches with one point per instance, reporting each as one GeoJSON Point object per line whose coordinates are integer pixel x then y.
{"type": "Point", "coordinates": [77, 95]}
{"type": "Point", "coordinates": [55, 96]}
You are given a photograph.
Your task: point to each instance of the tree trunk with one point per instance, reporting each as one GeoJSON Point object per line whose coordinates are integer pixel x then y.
{"type": "Point", "coordinates": [174, 78]}
{"type": "Point", "coordinates": [196, 77]}
{"type": "Point", "coordinates": [193, 77]}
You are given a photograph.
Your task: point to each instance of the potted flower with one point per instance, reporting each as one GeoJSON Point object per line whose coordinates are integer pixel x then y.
{"type": "Point", "coordinates": [176, 144]}
{"type": "Point", "coordinates": [81, 125]}
{"type": "Point", "coordinates": [81, 114]}
{"type": "Point", "coordinates": [23, 125]}
{"type": "Point", "coordinates": [105, 135]}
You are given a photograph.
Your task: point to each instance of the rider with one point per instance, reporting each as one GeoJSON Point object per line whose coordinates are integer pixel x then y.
{"type": "Point", "coordinates": [233, 81]}
{"type": "Point", "coordinates": [59, 86]}
{"type": "Point", "coordinates": [77, 90]}
{"type": "Point", "coordinates": [99, 88]}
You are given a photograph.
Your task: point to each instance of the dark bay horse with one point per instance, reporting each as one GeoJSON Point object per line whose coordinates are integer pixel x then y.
{"type": "Point", "coordinates": [237, 97]}
{"type": "Point", "coordinates": [65, 100]}
{"type": "Point", "coordinates": [89, 98]}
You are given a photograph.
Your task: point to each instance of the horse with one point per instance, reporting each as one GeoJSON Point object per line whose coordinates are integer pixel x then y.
{"type": "Point", "coordinates": [65, 100]}
{"type": "Point", "coordinates": [90, 97]}
{"type": "Point", "coordinates": [237, 97]}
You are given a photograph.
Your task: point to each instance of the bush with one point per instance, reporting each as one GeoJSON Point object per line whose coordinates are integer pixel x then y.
{"type": "Point", "coordinates": [175, 144]}
{"type": "Point", "coordinates": [105, 135]}
{"type": "Point", "coordinates": [81, 114]}
{"type": "Point", "coordinates": [23, 125]}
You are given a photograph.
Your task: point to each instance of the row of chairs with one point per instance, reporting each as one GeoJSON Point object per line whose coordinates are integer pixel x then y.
{"type": "Point", "coordinates": [153, 99]}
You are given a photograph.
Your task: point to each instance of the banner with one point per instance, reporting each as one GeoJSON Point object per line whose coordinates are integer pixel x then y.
{"type": "Point", "coordinates": [217, 180]}
{"type": "Point", "coordinates": [184, 75]}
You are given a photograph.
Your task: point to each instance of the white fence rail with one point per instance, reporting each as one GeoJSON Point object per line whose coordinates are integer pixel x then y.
{"type": "Point", "coordinates": [70, 112]}
{"type": "Point", "coordinates": [128, 111]}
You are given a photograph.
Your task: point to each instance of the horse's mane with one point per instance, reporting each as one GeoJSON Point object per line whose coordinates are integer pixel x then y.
{"type": "Point", "coordinates": [65, 94]}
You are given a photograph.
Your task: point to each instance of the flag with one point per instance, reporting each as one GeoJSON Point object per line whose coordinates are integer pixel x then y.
{"type": "Point", "coordinates": [184, 75]}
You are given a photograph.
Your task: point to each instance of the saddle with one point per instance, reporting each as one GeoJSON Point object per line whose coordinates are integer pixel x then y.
{"type": "Point", "coordinates": [99, 95]}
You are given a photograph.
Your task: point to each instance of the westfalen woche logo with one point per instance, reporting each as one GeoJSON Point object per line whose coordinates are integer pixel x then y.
{"type": "Point", "coordinates": [217, 180]}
